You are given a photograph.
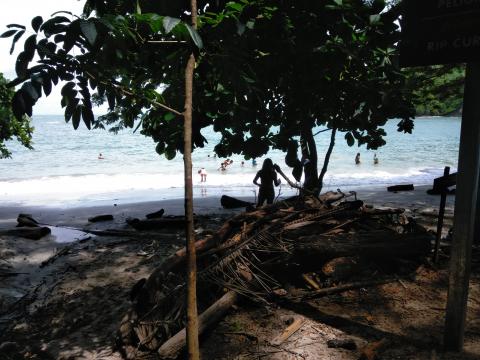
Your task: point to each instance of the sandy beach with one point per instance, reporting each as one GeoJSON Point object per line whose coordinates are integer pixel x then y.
{"type": "Point", "coordinates": [417, 200]}
{"type": "Point", "coordinates": [55, 306]}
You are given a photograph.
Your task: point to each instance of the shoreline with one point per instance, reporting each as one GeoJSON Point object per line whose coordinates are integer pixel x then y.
{"type": "Point", "coordinates": [76, 216]}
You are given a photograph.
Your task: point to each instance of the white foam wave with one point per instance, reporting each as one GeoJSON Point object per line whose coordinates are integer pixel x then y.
{"type": "Point", "coordinates": [56, 190]}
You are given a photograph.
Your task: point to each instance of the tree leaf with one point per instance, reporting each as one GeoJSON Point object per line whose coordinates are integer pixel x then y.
{"type": "Point", "coordinates": [111, 100]}
{"type": "Point", "coordinates": [21, 65]}
{"type": "Point", "coordinates": [47, 85]}
{"type": "Point", "coordinates": [170, 152]}
{"type": "Point", "coordinates": [52, 25]}
{"type": "Point", "coordinates": [37, 21]}
{"type": "Point", "coordinates": [30, 46]}
{"type": "Point", "coordinates": [16, 26]}
{"type": "Point", "coordinates": [76, 117]}
{"type": "Point", "coordinates": [30, 91]}
{"type": "Point", "coordinates": [18, 105]}
{"type": "Point", "coordinates": [87, 116]}
{"type": "Point", "coordinates": [67, 89]}
{"type": "Point", "coordinates": [89, 31]}
{"type": "Point", "coordinates": [350, 139]}
{"type": "Point", "coordinates": [195, 36]}
{"type": "Point", "coordinates": [71, 36]}
{"type": "Point", "coordinates": [169, 23]}
{"type": "Point", "coordinates": [169, 116]}
{"type": "Point", "coordinates": [15, 39]}
{"type": "Point", "coordinates": [8, 33]}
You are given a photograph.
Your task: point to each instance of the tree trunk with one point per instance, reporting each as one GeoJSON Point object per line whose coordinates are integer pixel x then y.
{"type": "Point", "coordinates": [192, 316]}
{"type": "Point", "coordinates": [309, 152]}
{"type": "Point", "coordinates": [326, 161]}
{"type": "Point", "coordinates": [374, 245]}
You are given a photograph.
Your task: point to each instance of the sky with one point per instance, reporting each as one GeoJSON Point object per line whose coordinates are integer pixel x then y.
{"type": "Point", "coordinates": [22, 12]}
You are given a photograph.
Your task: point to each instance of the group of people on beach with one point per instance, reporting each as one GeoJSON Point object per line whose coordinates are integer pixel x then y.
{"type": "Point", "coordinates": [266, 178]}
{"type": "Point", "coordinates": [357, 159]}
{"type": "Point", "coordinates": [225, 164]}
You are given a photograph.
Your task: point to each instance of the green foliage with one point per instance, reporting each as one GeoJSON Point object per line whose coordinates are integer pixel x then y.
{"type": "Point", "coordinates": [10, 127]}
{"type": "Point", "coordinates": [437, 90]}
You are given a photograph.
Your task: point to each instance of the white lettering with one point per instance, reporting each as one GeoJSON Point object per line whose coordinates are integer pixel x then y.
{"type": "Point", "coordinates": [437, 45]}
{"type": "Point", "coordinates": [466, 42]}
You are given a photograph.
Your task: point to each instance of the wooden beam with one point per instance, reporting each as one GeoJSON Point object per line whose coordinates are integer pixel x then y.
{"type": "Point", "coordinates": [476, 233]}
{"type": "Point", "coordinates": [465, 207]}
{"type": "Point", "coordinates": [441, 213]}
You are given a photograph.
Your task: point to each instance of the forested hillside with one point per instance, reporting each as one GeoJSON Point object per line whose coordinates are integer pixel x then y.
{"type": "Point", "coordinates": [437, 90]}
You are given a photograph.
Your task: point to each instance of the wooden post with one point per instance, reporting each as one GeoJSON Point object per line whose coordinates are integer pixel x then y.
{"type": "Point", "coordinates": [441, 213]}
{"type": "Point", "coordinates": [192, 315]}
{"type": "Point", "coordinates": [465, 206]}
{"type": "Point", "coordinates": [476, 233]}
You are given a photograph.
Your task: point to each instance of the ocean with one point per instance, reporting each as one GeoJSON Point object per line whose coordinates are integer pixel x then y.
{"type": "Point", "coordinates": [64, 169]}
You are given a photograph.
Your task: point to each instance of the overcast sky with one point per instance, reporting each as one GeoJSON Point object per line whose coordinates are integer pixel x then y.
{"type": "Point", "coordinates": [22, 12]}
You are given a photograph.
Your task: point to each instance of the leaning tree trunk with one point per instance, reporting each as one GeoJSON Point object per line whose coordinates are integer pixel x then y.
{"type": "Point", "coordinates": [309, 151]}
{"type": "Point", "coordinates": [192, 316]}
{"type": "Point", "coordinates": [326, 161]}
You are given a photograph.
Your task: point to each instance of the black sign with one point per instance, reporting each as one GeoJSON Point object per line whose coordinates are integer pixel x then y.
{"type": "Point", "coordinates": [440, 31]}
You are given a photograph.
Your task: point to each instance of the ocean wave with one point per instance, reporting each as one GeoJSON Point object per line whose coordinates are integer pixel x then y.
{"type": "Point", "coordinates": [57, 190]}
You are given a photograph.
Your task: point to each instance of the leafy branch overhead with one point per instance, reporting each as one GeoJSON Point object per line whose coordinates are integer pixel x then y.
{"type": "Point", "coordinates": [87, 54]}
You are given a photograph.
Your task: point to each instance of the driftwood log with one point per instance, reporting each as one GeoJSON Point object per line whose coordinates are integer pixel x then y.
{"type": "Point", "coordinates": [26, 220]}
{"type": "Point", "coordinates": [173, 346]}
{"type": "Point", "coordinates": [157, 224]}
{"type": "Point", "coordinates": [406, 187]}
{"type": "Point", "coordinates": [156, 214]}
{"type": "Point", "coordinates": [32, 233]}
{"type": "Point", "coordinates": [229, 202]}
{"type": "Point", "coordinates": [100, 218]}
{"type": "Point", "coordinates": [375, 245]}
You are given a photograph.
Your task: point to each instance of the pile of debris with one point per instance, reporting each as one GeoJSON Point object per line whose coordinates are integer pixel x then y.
{"type": "Point", "coordinates": [320, 242]}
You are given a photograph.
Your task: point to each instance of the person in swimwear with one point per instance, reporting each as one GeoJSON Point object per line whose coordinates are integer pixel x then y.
{"type": "Point", "coordinates": [268, 178]}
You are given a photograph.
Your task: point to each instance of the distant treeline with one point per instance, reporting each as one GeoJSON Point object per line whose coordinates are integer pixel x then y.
{"type": "Point", "coordinates": [437, 90]}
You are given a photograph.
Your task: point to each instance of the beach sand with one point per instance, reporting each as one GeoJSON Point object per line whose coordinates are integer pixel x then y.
{"type": "Point", "coordinates": [70, 306]}
{"type": "Point", "coordinates": [76, 216]}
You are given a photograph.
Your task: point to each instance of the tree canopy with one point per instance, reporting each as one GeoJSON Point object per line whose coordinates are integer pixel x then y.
{"type": "Point", "coordinates": [10, 126]}
{"type": "Point", "coordinates": [268, 72]}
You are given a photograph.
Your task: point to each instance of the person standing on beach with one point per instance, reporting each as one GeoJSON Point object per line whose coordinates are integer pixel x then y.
{"type": "Point", "coordinates": [268, 178]}
{"type": "Point", "coordinates": [203, 175]}
{"type": "Point", "coordinates": [375, 159]}
{"type": "Point", "coordinates": [357, 159]}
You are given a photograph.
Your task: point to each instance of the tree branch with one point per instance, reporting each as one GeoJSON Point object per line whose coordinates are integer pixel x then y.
{"type": "Point", "coordinates": [129, 93]}
{"type": "Point", "coordinates": [327, 160]}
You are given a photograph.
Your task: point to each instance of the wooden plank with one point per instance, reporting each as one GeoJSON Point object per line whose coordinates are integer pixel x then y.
{"type": "Point", "coordinates": [441, 213]}
{"type": "Point", "coordinates": [289, 331]}
{"type": "Point", "coordinates": [445, 181]}
{"type": "Point", "coordinates": [465, 206]}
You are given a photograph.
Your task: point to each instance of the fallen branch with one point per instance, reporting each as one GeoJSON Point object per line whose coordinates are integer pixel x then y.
{"type": "Point", "coordinates": [290, 182]}
{"type": "Point", "coordinates": [345, 287]}
{"type": "Point", "coordinates": [53, 258]}
{"type": "Point", "coordinates": [172, 347]}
